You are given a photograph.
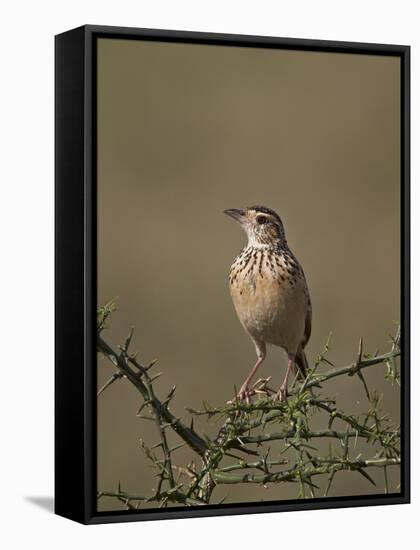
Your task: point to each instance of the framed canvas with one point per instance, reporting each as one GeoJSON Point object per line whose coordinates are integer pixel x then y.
{"type": "Point", "coordinates": [232, 274]}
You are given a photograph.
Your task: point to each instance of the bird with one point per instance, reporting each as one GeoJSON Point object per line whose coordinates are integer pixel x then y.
{"type": "Point", "coordinates": [270, 294]}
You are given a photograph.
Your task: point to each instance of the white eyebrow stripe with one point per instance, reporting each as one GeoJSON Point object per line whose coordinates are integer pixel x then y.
{"type": "Point", "coordinates": [267, 216]}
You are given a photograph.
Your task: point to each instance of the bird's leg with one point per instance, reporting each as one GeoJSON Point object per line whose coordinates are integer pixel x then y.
{"type": "Point", "coordinates": [243, 393]}
{"type": "Point", "coordinates": [282, 393]}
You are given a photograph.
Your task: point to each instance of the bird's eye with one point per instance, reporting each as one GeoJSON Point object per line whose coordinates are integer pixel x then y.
{"type": "Point", "coordinates": [261, 219]}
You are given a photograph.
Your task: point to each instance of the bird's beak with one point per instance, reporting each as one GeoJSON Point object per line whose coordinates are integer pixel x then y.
{"type": "Point", "coordinates": [236, 213]}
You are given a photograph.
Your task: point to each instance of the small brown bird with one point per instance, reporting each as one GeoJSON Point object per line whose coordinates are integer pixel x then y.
{"type": "Point", "coordinates": [269, 292]}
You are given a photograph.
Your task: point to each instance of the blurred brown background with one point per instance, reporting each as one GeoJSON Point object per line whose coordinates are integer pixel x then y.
{"type": "Point", "coordinates": [185, 131]}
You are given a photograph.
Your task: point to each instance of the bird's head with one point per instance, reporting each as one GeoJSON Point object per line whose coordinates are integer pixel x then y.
{"type": "Point", "coordinates": [262, 225]}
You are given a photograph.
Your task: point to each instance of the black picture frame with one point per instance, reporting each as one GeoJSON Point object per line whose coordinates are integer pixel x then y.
{"type": "Point", "coordinates": [75, 271]}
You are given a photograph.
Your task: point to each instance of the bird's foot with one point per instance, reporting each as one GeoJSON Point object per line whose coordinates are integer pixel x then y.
{"type": "Point", "coordinates": [244, 394]}
{"type": "Point", "coordinates": [281, 395]}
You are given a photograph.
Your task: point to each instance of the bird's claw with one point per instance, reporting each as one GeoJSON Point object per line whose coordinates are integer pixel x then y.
{"type": "Point", "coordinates": [243, 395]}
{"type": "Point", "coordinates": [281, 395]}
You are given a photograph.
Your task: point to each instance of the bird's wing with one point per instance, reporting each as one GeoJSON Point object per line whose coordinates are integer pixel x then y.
{"type": "Point", "coordinates": [308, 325]}
{"type": "Point", "coordinates": [308, 319]}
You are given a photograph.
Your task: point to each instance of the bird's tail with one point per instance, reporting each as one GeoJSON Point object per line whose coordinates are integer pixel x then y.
{"type": "Point", "coordinates": [301, 363]}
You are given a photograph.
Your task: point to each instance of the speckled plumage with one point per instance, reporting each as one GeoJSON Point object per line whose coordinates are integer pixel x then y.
{"type": "Point", "coordinates": [270, 295]}
{"type": "Point", "coordinates": [269, 290]}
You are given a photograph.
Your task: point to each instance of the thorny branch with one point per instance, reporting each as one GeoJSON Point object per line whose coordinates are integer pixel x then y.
{"type": "Point", "coordinates": [243, 430]}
